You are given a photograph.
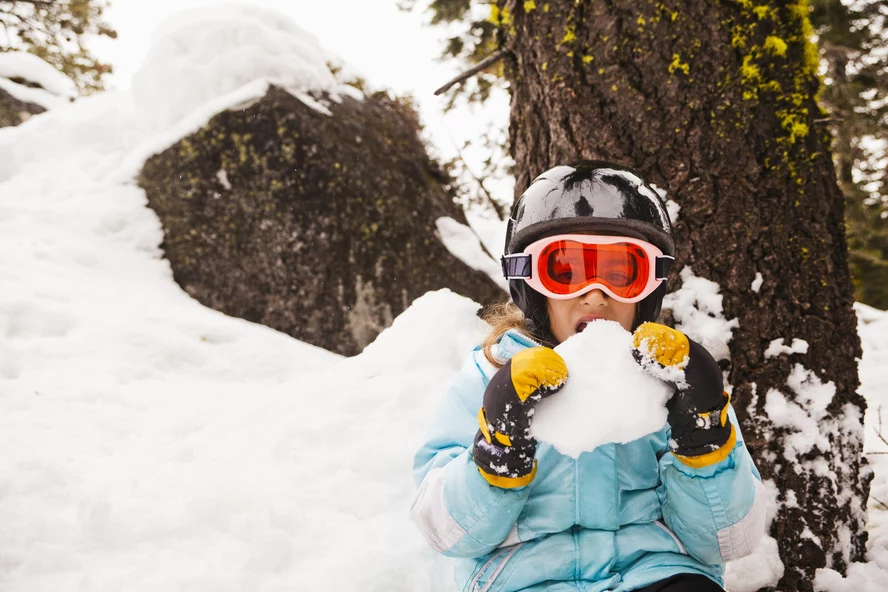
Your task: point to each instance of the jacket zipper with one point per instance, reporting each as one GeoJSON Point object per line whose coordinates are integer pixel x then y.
{"type": "Point", "coordinates": [507, 552]}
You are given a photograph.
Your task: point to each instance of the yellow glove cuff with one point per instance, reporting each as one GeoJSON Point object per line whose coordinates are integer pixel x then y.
{"type": "Point", "coordinates": [710, 458]}
{"type": "Point", "coordinates": [509, 482]}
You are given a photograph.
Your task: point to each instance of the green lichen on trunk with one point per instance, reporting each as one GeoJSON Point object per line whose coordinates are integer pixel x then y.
{"type": "Point", "coordinates": [716, 102]}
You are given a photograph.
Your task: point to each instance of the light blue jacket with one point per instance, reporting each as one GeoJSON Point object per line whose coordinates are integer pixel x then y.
{"type": "Point", "coordinates": [618, 518]}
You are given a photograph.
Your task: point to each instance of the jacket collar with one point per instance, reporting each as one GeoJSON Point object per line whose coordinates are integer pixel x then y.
{"type": "Point", "coordinates": [513, 342]}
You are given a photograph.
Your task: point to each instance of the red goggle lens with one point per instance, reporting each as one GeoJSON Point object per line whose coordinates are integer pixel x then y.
{"type": "Point", "coordinates": [568, 266]}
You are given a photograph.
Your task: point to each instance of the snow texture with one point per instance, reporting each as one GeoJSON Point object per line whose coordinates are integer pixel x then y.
{"type": "Point", "coordinates": [26, 94]}
{"type": "Point", "coordinates": [491, 231]}
{"type": "Point", "coordinates": [152, 444]}
{"type": "Point", "coordinates": [872, 575]}
{"type": "Point", "coordinates": [20, 64]}
{"type": "Point", "coordinates": [805, 416]}
{"type": "Point", "coordinates": [761, 569]}
{"type": "Point", "coordinates": [672, 208]}
{"type": "Point", "coordinates": [607, 397]}
{"type": "Point", "coordinates": [463, 243]}
{"type": "Point", "coordinates": [697, 308]}
{"type": "Point", "coordinates": [199, 55]}
{"type": "Point", "coordinates": [757, 282]}
{"type": "Point", "coordinates": [776, 347]}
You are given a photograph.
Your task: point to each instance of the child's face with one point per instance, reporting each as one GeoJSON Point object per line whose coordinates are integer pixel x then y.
{"type": "Point", "coordinates": [568, 317]}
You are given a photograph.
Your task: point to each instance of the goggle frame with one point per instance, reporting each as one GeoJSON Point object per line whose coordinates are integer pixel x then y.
{"type": "Point", "coordinates": [521, 265]}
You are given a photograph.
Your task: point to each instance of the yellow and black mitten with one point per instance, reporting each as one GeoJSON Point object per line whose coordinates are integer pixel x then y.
{"type": "Point", "coordinates": [702, 433]}
{"type": "Point", "coordinates": [504, 450]}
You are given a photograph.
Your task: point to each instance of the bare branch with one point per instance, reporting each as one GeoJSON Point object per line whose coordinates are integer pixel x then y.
{"type": "Point", "coordinates": [500, 210]}
{"type": "Point", "coordinates": [486, 62]}
{"type": "Point", "coordinates": [879, 501]}
{"type": "Point", "coordinates": [879, 431]}
{"type": "Point", "coordinates": [881, 437]}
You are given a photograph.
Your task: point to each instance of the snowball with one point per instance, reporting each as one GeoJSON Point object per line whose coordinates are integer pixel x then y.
{"type": "Point", "coordinates": [608, 397]}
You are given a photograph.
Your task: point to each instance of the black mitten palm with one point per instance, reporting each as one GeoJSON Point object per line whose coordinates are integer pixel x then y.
{"type": "Point", "coordinates": [702, 434]}
{"type": "Point", "coordinates": [504, 450]}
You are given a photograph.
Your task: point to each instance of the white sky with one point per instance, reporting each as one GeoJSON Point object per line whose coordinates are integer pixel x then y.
{"type": "Point", "coordinates": [392, 48]}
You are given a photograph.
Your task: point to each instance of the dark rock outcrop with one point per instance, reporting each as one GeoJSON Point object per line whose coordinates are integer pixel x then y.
{"type": "Point", "coordinates": [13, 111]}
{"type": "Point", "coordinates": [322, 227]}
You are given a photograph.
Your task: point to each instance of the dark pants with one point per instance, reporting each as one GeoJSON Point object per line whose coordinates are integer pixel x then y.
{"type": "Point", "coordinates": [683, 583]}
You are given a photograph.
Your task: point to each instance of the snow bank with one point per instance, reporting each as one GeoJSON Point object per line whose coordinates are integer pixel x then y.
{"type": "Point", "coordinates": [55, 89]}
{"type": "Point", "coordinates": [760, 570]}
{"type": "Point", "coordinates": [20, 64]}
{"type": "Point", "coordinates": [464, 244]}
{"type": "Point", "coordinates": [153, 444]}
{"type": "Point", "coordinates": [608, 397]}
{"type": "Point", "coordinates": [199, 55]}
{"type": "Point", "coordinates": [26, 94]}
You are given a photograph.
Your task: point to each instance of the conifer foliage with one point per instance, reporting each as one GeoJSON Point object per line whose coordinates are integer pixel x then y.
{"type": "Point", "coordinates": [853, 41]}
{"type": "Point", "coordinates": [55, 30]}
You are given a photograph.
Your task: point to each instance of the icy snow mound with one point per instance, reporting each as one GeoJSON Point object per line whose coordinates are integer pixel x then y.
{"type": "Point", "coordinates": [57, 89]}
{"type": "Point", "coordinates": [607, 396]}
{"type": "Point", "coordinates": [197, 56]}
{"type": "Point", "coordinates": [20, 64]}
{"type": "Point", "coordinates": [463, 242]}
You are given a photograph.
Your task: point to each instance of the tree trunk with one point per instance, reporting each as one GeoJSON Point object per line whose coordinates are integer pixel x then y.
{"type": "Point", "coordinates": [714, 102]}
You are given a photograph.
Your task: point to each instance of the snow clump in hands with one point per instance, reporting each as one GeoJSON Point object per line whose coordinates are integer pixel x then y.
{"type": "Point", "coordinates": [608, 397]}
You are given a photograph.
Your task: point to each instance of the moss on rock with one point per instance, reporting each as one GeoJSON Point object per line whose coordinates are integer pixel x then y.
{"type": "Point", "coordinates": [322, 227]}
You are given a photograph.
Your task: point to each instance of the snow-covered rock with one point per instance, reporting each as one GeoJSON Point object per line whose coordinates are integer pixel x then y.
{"type": "Point", "coordinates": [201, 54]}
{"type": "Point", "coordinates": [30, 68]}
{"type": "Point", "coordinates": [29, 86]}
{"type": "Point", "coordinates": [312, 210]}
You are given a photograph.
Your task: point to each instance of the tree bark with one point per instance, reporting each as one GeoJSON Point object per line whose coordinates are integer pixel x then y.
{"type": "Point", "coordinates": [715, 103]}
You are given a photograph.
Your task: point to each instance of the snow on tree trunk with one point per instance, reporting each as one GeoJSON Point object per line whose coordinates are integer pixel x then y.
{"type": "Point", "coordinates": [714, 102]}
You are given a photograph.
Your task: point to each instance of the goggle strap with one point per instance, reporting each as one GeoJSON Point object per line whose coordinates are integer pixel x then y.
{"type": "Point", "coordinates": [662, 267]}
{"type": "Point", "coordinates": [516, 266]}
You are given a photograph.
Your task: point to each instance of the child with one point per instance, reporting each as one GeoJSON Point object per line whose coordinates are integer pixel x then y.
{"type": "Point", "coordinates": [662, 513]}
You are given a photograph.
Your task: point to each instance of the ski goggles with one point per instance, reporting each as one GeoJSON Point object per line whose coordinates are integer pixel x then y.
{"type": "Point", "coordinates": [569, 265]}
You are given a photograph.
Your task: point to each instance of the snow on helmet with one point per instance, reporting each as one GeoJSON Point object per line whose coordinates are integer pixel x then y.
{"type": "Point", "coordinates": [586, 197]}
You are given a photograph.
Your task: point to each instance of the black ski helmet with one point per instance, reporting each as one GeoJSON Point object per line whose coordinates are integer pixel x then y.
{"type": "Point", "coordinates": [587, 196]}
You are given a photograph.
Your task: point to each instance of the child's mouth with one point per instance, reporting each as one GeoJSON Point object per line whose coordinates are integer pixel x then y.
{"type": "Point", "coordinates": [585, 323]}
